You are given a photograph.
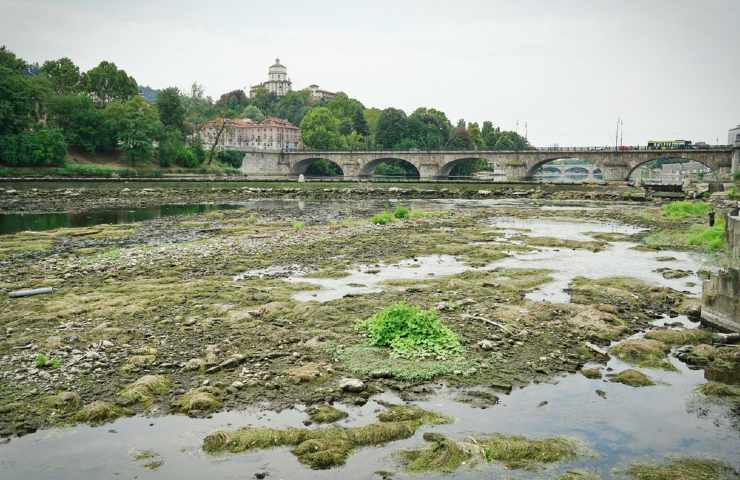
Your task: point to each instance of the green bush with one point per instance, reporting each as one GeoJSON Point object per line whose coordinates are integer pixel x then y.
{"type": "Point", "coordinates": [733, 193]}
{"type": "Point", "coordinates": [402, 212]}
{"type": "Point", "coordinates": [230, 157]}
{"type": "Point", "coordinates": [411, 333]}
{"type": "Point", "coordinates": [382, 218]}
{"type": "Point", "coordinates": [711, 238]}
{"type": "Point", "coordinates": [41, 147]}
{"type": "Point", "coordinates": [685, 209]}
{"type": "Point", "coordinates": [187, 158]}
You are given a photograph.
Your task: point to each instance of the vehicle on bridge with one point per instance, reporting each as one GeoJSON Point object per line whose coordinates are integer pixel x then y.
{"type": "Point", "coordinates": [669, 144]}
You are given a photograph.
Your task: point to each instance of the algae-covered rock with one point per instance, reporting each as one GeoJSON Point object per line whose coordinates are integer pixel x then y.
{"type": "Point", "coordinates": [716, 389]}
{"type": "Point", "coordinates": [684, 469]}
{"type": "Point", "coordinates": [201, 399]}
{"type": "Point", "coordinates": [306, 373]}
{"type": "Point", "coordinates": [447, 455]}
{"type": "Point", "coordinates": [144, 389]}
{"type": "Point", "coordinates": [64, 401]}
{"type": "Point", "coordinates": [579, 475]}
{"type": "Point", "coordinates": [680, 337]}
{"type": "Point", "coordinates": [403, 413]}
{"type": "Point", "coordinates": [592, 373]}
{"type": "Point", "coordinates": [643, 352]}
{"type": "Point", "coordinates": [633, 378]}
{"type": "Point", "coordinates": [325, 414]}
{"type": "Point", "coordinates": [98, 412]}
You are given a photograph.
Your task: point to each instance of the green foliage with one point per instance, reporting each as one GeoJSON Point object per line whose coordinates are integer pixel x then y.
{"type": "Point", "coordinates": [253, 113]}
{"type": "Point", "coordinates": [411, 333]}
{"type": "Point", "coordinates": [402, 212]}
{"type": "Point", "coordinates": [171, 109]}
{"type": "Point", "coordinates": [429, 128]}
{"type": "Point", "coordinates": [40, 360]}
{"type": "Point", "coordinates": [9, 60]}
{"type": "Point", "coordinates": [733, 193]}
{"type": "Point", "coordinates": [709, 238]}
{"type": "Point", "coordinates": [320, 130]}
{"type": "Point", "coordinates": [299, 225]}
{"type": "Point", "coordinates": [83, 125]}
{"type": "Point", "coordinates": [21, 100]}
{"type": "Point", "coordinates": [41, 147]}
{"type": "Point", "coordinates": [230, 157]}
{"type": "Point", "coordinates": [108, 83]}
{"type": "Point", "coordinates": [292, 107]}
{"type": "Point", "coordinates": [383, 218]}
{"type": "Point", "coordinates": [136, 125]}
{"type": "Point", "coordinates": [686, 209]}
{"type": "Point", "coordinates": [63, 75]}
{"type": "Point", "coordinates": [394, 167]}
{"type": "Point", "coordinates": [392, 128]}
{"type": "Point", "coordinates": [323, 168]}
{"type": "Point", "coordinates": [460, 140]}
{"type": "Point", "coordinates": [170, 144]}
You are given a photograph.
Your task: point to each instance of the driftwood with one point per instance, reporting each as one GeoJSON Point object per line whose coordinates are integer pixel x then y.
{"type": "Point", "coordinates": [27, 292]}
{"type": "Point", "coordinates": [597, 349]}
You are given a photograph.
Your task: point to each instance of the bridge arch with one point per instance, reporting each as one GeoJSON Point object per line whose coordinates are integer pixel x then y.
{"type": "Point", "coordinates": [305, 165]}
{"type": "Point", "coordinates": [634, 167]}
{"type": "Point", "coordinates": [460, 164]}
{"type": "Point", "coordinates": [583, 170]}
{"type": "Point", "coordinates": [368, 169]}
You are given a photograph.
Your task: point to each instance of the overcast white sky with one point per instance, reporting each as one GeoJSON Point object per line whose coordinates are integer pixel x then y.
{"type": "Point", "coordinates": [669, 68]}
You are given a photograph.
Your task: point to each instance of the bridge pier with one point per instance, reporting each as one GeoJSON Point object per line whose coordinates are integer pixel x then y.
{"type": "Point", "coordinates": [615, 172]}
{"type": "Point", "coordinates": [515, 172]}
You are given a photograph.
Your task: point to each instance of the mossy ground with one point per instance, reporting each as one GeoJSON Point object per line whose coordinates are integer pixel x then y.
{"type": "Point", "coordinates": [643, 352]}
{"type": "Point", "coordinates": [159, 298]}
{"type": "Point", "coordinates": [633, 378]}
{"type": "Point", "coordinates": [325, 414]}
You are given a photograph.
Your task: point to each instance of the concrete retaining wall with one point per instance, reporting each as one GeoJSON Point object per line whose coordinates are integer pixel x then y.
{"type": "Point", "coordinates": [720, 305]}
{"type": "Point", "coordinates": [733, 236]}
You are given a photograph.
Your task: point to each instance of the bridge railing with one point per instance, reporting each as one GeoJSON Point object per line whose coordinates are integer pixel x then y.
{"type": "Point", "coordinates": [612, 148]}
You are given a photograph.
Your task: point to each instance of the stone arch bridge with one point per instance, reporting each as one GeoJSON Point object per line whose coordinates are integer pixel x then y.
{"type": "Point", "coordinates": [615, 165]}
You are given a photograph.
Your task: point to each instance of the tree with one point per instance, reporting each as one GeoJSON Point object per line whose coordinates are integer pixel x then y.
{"type": "Point", "coordinates": [18, 97]}
{"type": "Point", "coordinates": [253, 113]}
{"type": "Point", "coordinates": [371, 117]}
{"type": "Point", "coordinates": [170, 144]}
{"type": "Point", "coordinates": [460, 140]}
{"type": "Point", "coordinates": [359, 123]}
{"type": "Point", "coordinates": [475, 135]}
{"type": "Point", "coordinates": [392, 127]}
{"type": "Point", "coordinates": [64, 76]}
{"type": "Point", "coordinates": [320, 129]}
{"type": "Point", "coordinates": [84, 126]}
{"type": "Point", "coordinates": [430, 128]}
{"type": "Point", "coordinates": [234, 100]}
{"type": "Point", "coordinates": [292, 106]}
{"type": "Point", "coordinates": [135, 124]}
{"type": "Point", "coordinates": [107, 83]}
{"type": "Point", "coordinates": [488, 135]}
{"type": "Point", "coordinates": [265, 101]}
{"type": "Point", "coordinates": [9, 60]}
{"type": "Point", "coordinates": [41, 147]}
{"type": "Point", "coordinates": [198, 109]}
{"type": "Point", "coordinates": [171, 109]}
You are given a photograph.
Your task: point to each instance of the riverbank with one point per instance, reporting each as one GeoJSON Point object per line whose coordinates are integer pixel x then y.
{"type": "Point", "coordinates": [85, 195]}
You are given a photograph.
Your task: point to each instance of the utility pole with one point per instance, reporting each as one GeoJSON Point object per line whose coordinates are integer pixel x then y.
{"type": "Point", "coordinates": [616, 136]}
{"type": "Point", "coordinates": [526, 131]}
{"type": "Point", "coordinates": [621, 133]}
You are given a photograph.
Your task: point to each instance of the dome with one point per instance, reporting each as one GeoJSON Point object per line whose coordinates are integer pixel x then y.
{"type": "Point", "coordinates": [278, 67]}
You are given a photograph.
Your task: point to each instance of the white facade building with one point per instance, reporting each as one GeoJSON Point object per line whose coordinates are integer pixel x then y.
{"type": "Point", "coordinates": [277, 82]}
{"type": "Point", "coordinates": [733, 136]}
{"type": "Point", "coordinates": [245, 134]}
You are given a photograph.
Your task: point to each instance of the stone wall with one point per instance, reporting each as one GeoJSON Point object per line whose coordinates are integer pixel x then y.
{"type": "Point", "coordinates": [733, 236]}
{"type": "Point", "coordinates": [721, 300]}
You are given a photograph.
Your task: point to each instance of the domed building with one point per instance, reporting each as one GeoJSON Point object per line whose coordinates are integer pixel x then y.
{"type": "Point", "coordinates": [277, 83]}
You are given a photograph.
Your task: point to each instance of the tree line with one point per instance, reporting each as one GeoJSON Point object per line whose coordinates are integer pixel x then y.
{"type": "Point", "coordinates": [46, 109]}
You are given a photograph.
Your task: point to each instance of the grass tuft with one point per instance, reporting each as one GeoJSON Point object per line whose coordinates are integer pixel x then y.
{"type": "Point", "coordinates": [633, 378]}
{"type": "Point", "coordinates": [325, 414]}
{"type": "Point", "coordinates": [643, 352]}
{"type": "Point", "coordinates": [686, 209]}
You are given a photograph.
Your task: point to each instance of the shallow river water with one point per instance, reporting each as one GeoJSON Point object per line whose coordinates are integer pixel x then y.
{"type": "Point", "coordinates": [620, 425]}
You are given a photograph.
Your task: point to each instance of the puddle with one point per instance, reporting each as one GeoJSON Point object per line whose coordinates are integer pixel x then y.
{"type": "Point", "coordinates": [367, 278]}
{"type": "Point", "coordinates": [561, 229]}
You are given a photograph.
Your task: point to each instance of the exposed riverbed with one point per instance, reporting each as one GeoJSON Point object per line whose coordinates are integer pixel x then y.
{"type": "Point", "coordinates": [269, 293]}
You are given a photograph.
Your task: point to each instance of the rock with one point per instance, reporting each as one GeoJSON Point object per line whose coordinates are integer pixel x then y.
{"type": "Point", "coordinates": [262, 474]}
{"type": "Point", "coordinates": [486, 345]}
{"type": "Point", "coordinates": [237, 385]}
{"type": "Point", "coordinates": [352, 385]}
{"type": "Point", "coordinates": [592, 373]}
